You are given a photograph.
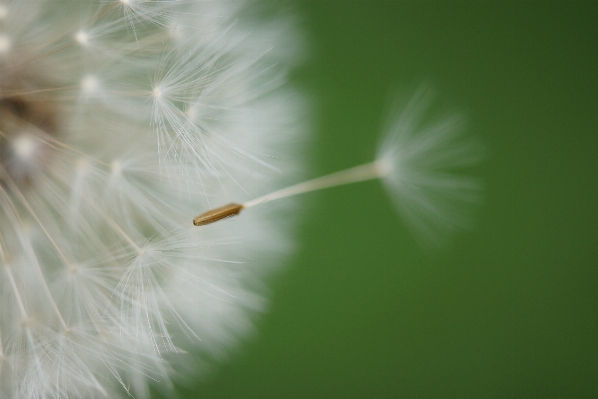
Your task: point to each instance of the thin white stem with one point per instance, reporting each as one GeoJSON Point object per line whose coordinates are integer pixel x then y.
{"type": "Point", "coordinates": [11, 94]}
{"type": "Point", "coordinates": [45, 286]}
{"type": "Point", "coordinates": [12, 282]}
{"type": "Point", "coordinates": [118, 229]}
{"type": "Point", "coordinates": [2, 246]}
{"type": "Point", "coordinates": [54, 143]}
{"type": "Point", "coordinates": [16, 291]}
{"type": "Point", "coordinates": [368, 171]}
{"type": "Point", "coordinates": [15, 189]}
{"type": "Point", "coordinates": [71, 43]}
{"type": "Point", "coordinates": [30, 250]}
{"type": "Point", "coordinates": [122, 233]}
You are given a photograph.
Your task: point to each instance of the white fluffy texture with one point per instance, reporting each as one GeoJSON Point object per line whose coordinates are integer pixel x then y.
{"type": "Point", "coordinates": [161, 110]}
{"type": "Point", "coordinates": [427, 170]}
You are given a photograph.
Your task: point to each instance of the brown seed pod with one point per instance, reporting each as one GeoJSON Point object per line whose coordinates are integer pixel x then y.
{"type": "Point", "coordinates": [216, 214]}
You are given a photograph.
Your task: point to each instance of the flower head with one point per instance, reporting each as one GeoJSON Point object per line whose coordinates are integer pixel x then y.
{"type": "Point", "coordinates": [118, 119]}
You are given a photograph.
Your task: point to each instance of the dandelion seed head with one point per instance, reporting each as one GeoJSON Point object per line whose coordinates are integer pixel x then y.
{"type": "Point", "coordinates": [104, 284]}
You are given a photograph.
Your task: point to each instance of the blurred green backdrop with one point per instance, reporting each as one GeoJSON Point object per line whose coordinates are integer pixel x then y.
{"type": "Point", "coordinates": [511, 308]}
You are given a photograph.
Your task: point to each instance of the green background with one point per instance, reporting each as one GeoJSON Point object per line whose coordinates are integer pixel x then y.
{"type": "Point", "coordinates": [510, 309]}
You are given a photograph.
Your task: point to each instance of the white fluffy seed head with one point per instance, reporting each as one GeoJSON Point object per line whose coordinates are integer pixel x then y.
{"type": "Point", "coordinates": [104, 282]}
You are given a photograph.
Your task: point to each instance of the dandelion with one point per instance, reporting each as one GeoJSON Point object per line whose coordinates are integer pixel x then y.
{"type": "Point", "coordinates": [118, 119]}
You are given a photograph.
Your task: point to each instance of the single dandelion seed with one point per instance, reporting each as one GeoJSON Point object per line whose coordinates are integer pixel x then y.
{"type": "Point", "coordinates": [420, 165]}
{"type": "Point", "coordinates": [373, 170]}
